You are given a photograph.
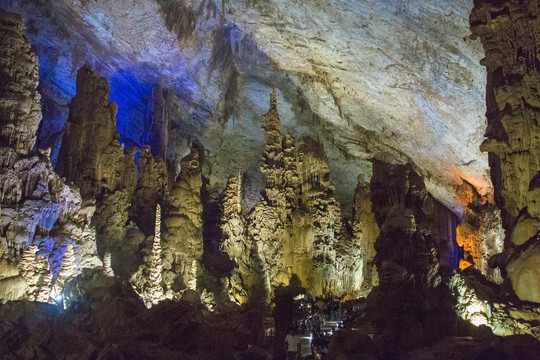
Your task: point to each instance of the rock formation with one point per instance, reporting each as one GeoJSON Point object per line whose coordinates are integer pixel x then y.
{"type": "Point", "coordinates": [152, 188]}
{"type": "Point", "coordinates": [480, 233]}
{"type": "Point", "coordinates": [20, 111]}
{"type": "Point", "coordinates": [508, 31]}
{"type": "Point", "coordinates": [147, 282]}
{"type": "Point", "coordinates": [156, 267]}
{"type": "Point", "coordinates": [480, 303]}
{"type": "Point", "coordinates": [68, 268]}
{"type": "Point", "coordinates": [90, 155]}
{"type": "Point", "coordinates": [39, 211]}
{"type": "Point", "coordinates": [159, 119]}
{"type": "Point", "coordinates": [357, 250]}
{"type": "Point", "coordinates": [411, 305]}
{"type": "Point", "coordinates": [244, 277]}
{"type": "Point", "coordinates": [35, 270]}
{"type": "Point", "coordinates": [295, 227]}
{"type": "Point", "coordinates": [183, 238]}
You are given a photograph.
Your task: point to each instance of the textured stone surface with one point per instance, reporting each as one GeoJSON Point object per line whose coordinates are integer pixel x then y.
{"type": "Point", "coordinates": [481, 303]}
{"type": "Point", "coordinates": [372, 79]}
{"type": "Point", "coordinates": [384, 77]}
{"type": "Point", "coordinates": [480, 233]}
{"type": "Point", "coordinates": [41, 216]}
{"type": "Point", "coordinates": [184, 229]}
{"type": "Point", "coordinates": [508, 31]}
{"type": "Point", "coordinates": [20, 112]}
{"type": "Point", "coordinates": [295, 228]}
{"type": "Point", "coordinates": [90, 155]}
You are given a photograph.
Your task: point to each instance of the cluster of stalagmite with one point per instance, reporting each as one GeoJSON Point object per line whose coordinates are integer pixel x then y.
{"type": "Point", "coordinates": [39, 211]}
{"type": "Point", "coordinates": [509, 32]}
{"type": "Point", "coordinates": [124, 194]}
{"type": "Point", "coordinates": [295, 229]}
{"type": "Point", "coordinates": [91, 158]}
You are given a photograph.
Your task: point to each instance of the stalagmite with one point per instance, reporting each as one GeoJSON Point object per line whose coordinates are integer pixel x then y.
{"type": "Point", "coordinates": [68, 268]}
{"type": "Point", "coordinates": [183, 236]}
{"type": "Point", "coordinates": [35, 270]}
{"type": "Point", "coordinates": [156, 290]}
{"type": "Point", "coordinates": [107, 264]}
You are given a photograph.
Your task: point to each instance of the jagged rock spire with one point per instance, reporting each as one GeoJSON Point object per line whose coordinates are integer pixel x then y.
{"type": "Point", "coordinates": [273, 99]}
{"type": "Point", "coordinates": [156, 266]}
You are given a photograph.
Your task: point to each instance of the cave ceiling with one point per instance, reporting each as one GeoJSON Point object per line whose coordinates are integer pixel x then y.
{"type": "Point", "coordinates": [400, 81]}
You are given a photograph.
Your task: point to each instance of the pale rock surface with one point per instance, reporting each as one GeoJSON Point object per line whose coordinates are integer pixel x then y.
{"type": "Point", "coordinates": [373, 79]}
{"type": "Point", "coordinates": [183, 237]}
{"type": "Point", "coordinates": [385, 78]}
{"type": "Point", "coordinates": [508, 31]}
{"type": "Point", "coordinates": [39, 211]}
{"type": "Point", "coordinates": [524, 273]}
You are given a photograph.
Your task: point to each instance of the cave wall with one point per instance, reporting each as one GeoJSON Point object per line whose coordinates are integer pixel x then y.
{"type": "Point", "coordinates": [45, 223]}
{"type": "Point", "coordinates": [508, 31]}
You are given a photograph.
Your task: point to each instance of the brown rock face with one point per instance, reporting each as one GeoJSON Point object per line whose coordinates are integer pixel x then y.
{"type": "Point", "coordinates": [509, 33]}
{"type": "Point", "coordinates": [480, 232]}
{"type": "Point", "coordinates": [412, 247]}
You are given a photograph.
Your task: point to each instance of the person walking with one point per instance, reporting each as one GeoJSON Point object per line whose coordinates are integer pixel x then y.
{"type": "Point", "coordinates": [292, 341]}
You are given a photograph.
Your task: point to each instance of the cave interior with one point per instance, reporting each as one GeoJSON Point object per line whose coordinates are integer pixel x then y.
{"type": "Point", "coordinates": [195, 179]}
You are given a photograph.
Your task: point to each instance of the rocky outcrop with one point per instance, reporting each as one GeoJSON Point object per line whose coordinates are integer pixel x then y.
{"type": "Point", "coordinates": [20, 111]}
{"type": "Point", "coordinates": [90, 155]}
{"type": "Point", "coordinates": [508, 31]}
{"type": "Point", "coordinates": [481, 303]}
{"type": "Point", "coordinates": [412, 258]}
{"type": "Point", "coordinates": [295, 228]}
{"type": "Point", "coordinates": [40, 213]}
{"type": "Point", "coordinates": [480, 232]}
{"type": "Point", "coordinates": [183, 238]}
